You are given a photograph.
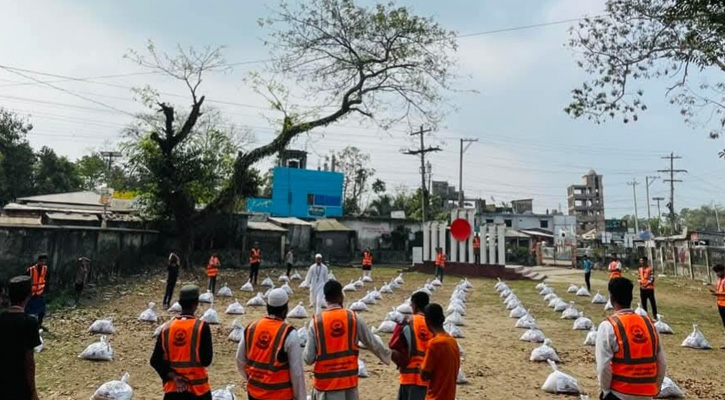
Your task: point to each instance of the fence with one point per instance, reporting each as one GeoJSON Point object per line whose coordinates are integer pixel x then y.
{"type": "Point", "coordinates": [691, 262]}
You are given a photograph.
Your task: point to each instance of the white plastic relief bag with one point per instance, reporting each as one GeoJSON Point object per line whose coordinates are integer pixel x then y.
{"type": "Point", "coordinates": [286, 287]}
{"type": "Point", "coordinates": [670, 390]}
{"type": "Point", "coordinates": [455, 318]}
{"type": "Point", "coordinates": [599, 299]}
{"type": "Point", "coordinates": [436, 282]}
{"type": "Point", "coordinates": [572, 288]}
{"type": "Point", "coordinates": [546, 290]}
{"type": "Point", "coordinates": [570, 313]}
{"type": "Point", "coordinates": [267, 282]}
{"type": "Point", "coordinates": [210, 316]}
{"type": "Point", "coordinates": [39, 347]}
{"type": "Point", "coordinates": [331, 276]}
{"type": "Point", "coordinates": [395, 316]}
{"type": "Point", "coordinates": [561, 305]}
{"type": "Point", "coordinates": [526, 322]}
{"type": "Point", "coordinates": [362, 371]}
{"type": "Point", "coordinates": [405, 308]}
{"type": "Point", "coordinates": [207, 297]}
{"type": "Point", "coordinates": [559, 382]}
{"type": "Point", "coordinates": [591, 339]}
{"type": "Point", "coordinates": [386, 327]}
{"type": "Point", "coordinates": [499, 284]}
{"type": "Point", "coordinates": [350, 287]}
{"type": "Point", "coordinates": [455, 307]}
{"type": "Point", "coordinates": [461, 377]}
{"type": "Point", "coordinates": [386, 289]}
{"type": "Point", "coordinates": [696, 339]}
{"type": "Point", "coordinates": [283, 279]}
{"type": "Point", "coordinates": [235, 308]}
{"type": "Point", "coordinates": [662, 326]}
{"type": "Point", "coordinates": [506, 293]}
{"type": "Point", "coordinates": [224, 394]}
{"type": "Point", "coordinates": [540, 286]}
{"type": "Point", "coordinates": [359, 284]}
{"type": "Point", "coordinates": [453, 330]}
{"type": "Point", "coordinates": [549, 297]}
{"type": "Point", "coordinates": [148, 315]}
{"type": "Point", "coordinates": [102, 326]}
{"type": "Point", "coordinates": [424, 290]}
{"type": "Point", "coordinates": [640, 311]}
{"type": "Point", "coordinates": [114, 390]}
{"type": "Point", "coordinates": [298, 312]}
{"type": "Point", "coordinates": [256, 301]}
{"type": "Point", "coordinates": [582, 323]}
{"type": "Point", "coordinates": [583, 292]}
{"type": "Point", "coordinates": [399, 280]}
{"type": "Point", "coordinates": [247, 287]}
{"type": "Point", "coordinates": [517, 312]}
{"type": "Point", "coordinates": [358, 306]}
{"type": "Point", "coordinates": [533, 335]}
{"type": "Point", "coordinates": [98, 351]}
{"type": "Point", "coordinates": [296, 276]}
{"type": "Point", "coordinates": [553, 302]}
{"type": "Point", "coordinates": [304, 285]}
{"type": "Point", "coordinates": [513, 304]}
{"type": "Point", "coordinates": [544, 352]}
{"type": "Point", "coordinates": [467, 284]}
{"type": "Point", "coordinates": [225, 291]}
{"type": "Point", "coordinates": [367, 279]}
{"type": "Point", "coordinates": [368, 299]}
{"type": "Point", "coordinates": [376, 294]}
{"type": "Point", "coordinates": [608, 306]}
{"type": "Point", "coordinates": [175, 308]}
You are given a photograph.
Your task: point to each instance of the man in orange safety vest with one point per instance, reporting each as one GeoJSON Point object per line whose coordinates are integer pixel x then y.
{"type": "Point", "coordinates": [38, 273]}
{"type": "Point", "coordinates": [615, 267]}
{"type": "Point", "coordinates": [212, 270]}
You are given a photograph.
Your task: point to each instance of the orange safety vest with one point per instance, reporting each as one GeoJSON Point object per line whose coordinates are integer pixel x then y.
{"type": "Point", "coordinates": [476, 242]}
{"type": "Point", "coordinates": [37, 276]}
{"type": "Point", "coordinates": [256, 256]}
{"type": "Point", "coordinates": [419, 337]}
{"type": "Point", "coordinates": [367, 259]}
{"type": "Point", "coordinates": [720, 292]}
{"type": "Point", "coordinates": [613, 271]}
{"type": "Point", "coordinates": [212, 269]}
{"type": "Point", "coordinates": [268, 378]}
{"type": "Point", "coordinates": [441, 260]}
{"type": "Point", "coordinates": [646, 278]}
{"type": "Point", "coordinates": [180, 341]}
{"type": "Point", "coordinates": [634, 365]}
{"type": "Point", "coordinates": [337, 350]}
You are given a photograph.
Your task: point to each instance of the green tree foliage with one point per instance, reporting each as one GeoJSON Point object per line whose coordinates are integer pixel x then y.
{"type": "Point", "coordinates": [92, 169]}
{"type": "Point", "coordinates": [410, 202]}
{"type": "Point", "coordinates": [16, 158]}
{"type": "Point", "coordinates": [703, 218]}
{"type": "Point", "coordinates": [677, 42]}
{"type": "Point", "coordinates": [355, 165]}
{"type": "Point", "coordinates": [54, 174]}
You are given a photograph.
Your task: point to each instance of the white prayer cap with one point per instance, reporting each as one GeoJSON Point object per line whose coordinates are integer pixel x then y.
{"type": "Point", "coordinates": [318, 255]}
{"type": "Point", "coordinates": [277, 297]}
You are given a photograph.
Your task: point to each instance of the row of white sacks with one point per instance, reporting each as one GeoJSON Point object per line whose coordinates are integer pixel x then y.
{"type": "Point", "coordinates": [558, 381]}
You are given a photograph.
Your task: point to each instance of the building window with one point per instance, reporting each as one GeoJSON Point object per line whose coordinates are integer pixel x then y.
{"type": "Point", "coordinates": [544, 224]}
{"type": "Point", "coordinates": [489, 221]}
{"type": "Point", "coordinates": [507, 222]}
{"type": "Point", "coordinates": [310, 199]}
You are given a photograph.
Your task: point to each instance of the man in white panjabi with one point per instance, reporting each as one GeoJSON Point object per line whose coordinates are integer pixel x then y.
{"type": "Point", "coordinates": [316, 279]}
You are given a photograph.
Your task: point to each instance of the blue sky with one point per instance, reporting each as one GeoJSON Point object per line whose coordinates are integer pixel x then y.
{"type": "Point", "coordinates": [528, 147]}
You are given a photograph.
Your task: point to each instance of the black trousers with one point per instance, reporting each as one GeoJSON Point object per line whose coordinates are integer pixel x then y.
{"type": "Point", "coordinates": [722, 314]}
{"type": "Point", "coordinates": [289, 269]}
{"type": "Point", "coordinates": [186, 396]}
{"type": "Point", "coordinates": [587, 276]}
{"type": "Point", "coordinates": [477, 256]}
{"type": "Point", "coordinates": [212, 284]}
{"type": "Point", "coordinates": [170, 285]}
{"type": "Point", "coordinates": [253, 273]}
{"type": "Point", "coordinates": [610, 396]}
{"type": "Point", "coordinates": [648, 295]}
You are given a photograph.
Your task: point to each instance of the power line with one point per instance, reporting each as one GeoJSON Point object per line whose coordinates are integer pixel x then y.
{"type": "Point", "coordinates": [421, 152]}
{"type": "Point", "coordinates": [672, 171]}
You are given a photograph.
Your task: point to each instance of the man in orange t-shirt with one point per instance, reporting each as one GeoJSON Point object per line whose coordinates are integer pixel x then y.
{"type": "Point", "coordinates": [442, 359]}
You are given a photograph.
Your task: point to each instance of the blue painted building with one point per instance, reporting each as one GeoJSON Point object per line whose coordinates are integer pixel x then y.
{"type": "Point", "coordinates": [301, 193]}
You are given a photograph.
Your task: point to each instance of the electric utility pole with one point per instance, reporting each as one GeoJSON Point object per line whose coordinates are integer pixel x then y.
{"type": "Point", "coordinates": [460, 169]}
{"type": "Point", "coordinates": [110, 155]}
{"type": "Point", "coordinates": [634, 184]}
{"type": "Point", "coordinates": [421, 152]}
{"type": "Point", "coordinates": [659, 211]}
{"type": "Point", "coordinates": [672, 171]}
{"type": "Point", "coordinates": [649, 215]}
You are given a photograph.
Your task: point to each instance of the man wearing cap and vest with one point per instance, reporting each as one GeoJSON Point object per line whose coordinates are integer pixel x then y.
{"type": "Point", "coordinates": [440, 263]}
{"type": "Point", "coordinates": [477, 249]}
{"type": "Point", "coordinates": [183, 351]}
{"type": "Point", "coordinates": [647, 285]}
{"type": "Point", "coordinates": [719, 291]}
{"type": "Point", "coordinates": [255, 259]}
{"type": "Point", "coordinates": [615, 267]}
{"type": "Point", "coordinates": [269, 356]}
{"type": "Point", "coordinates": [333, 348]}
{"type": "Point", "coordinates": [630, 361]}
{"type": "Point", "coordinates": [38, 273]}
{"type": "Point", "coordinates": [212, 270]}
{"type": "Point", "coordinates": [367, 262]}
{"type": "Point", "coordinates": [408, 345]}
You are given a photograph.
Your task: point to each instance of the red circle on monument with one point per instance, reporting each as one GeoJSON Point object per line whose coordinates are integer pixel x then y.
{"type": "Point", "coordinates": [460, 229]}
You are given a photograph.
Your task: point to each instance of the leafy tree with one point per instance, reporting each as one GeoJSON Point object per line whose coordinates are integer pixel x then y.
{"type": "Point", "coordinates": [703, 218]}
{"type": "Point", "coordinates": [378, 186]}
{"type": "Point", "coordinates": [92, 169]}
{"type": "Point", "coordinates": [381, 63]}
{"type": "Point", "coordinates": [55, 174]}
{"type": "Point", "coordinates": [17, 159]}
{"type": "Point", "coordinates": [354, 164]}
{"type": "Point", "coordinates": [673, 41]}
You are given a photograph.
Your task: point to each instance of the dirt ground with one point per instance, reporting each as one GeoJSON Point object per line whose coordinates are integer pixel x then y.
{"type": "Point", "coordinates": [496, 363]}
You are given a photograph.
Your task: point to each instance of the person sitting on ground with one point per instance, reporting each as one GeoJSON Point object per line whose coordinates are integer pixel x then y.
{"type": "Point", "coordinates": [442, 358]}
{"type": "Point", "coordinates": [19, 335]}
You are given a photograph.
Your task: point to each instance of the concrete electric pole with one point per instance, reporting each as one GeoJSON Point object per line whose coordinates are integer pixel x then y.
{"type": "Point", "coordinates": [672, 171]}
{"type": "Point", "coordinates": [634, 184]}
{"type": "Point", "coordinates": [421, 152]}
{"type": "Point", "coordinates": [460, 169]}
{"type": "Point", "coordinates": [649, 180]}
